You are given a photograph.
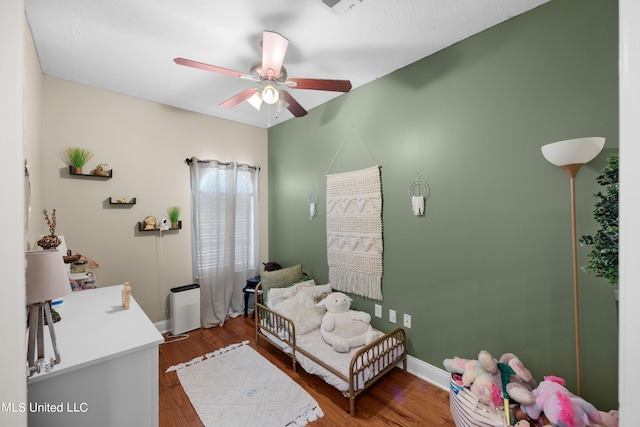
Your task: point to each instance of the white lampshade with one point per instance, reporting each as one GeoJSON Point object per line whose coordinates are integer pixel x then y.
{"type": "Point", "coordinates": [46, 276]}
{"type": "Point", "coordinates": [573, 151]}
{"type": "Point", "coordinates": [255, 100]}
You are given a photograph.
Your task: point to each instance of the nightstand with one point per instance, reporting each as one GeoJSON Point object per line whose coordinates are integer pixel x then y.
{"type": "Point", "coordinates": [250, 288]}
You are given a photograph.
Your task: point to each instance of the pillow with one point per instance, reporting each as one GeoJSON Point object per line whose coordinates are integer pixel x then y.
{"type": "Point", "coordinates": [277, 295]}
{"type": "Point", "coordinates": [317, 293]}
{"type": "Point", "coordinates": [282, 278]}
{"type": "Point", "coordinates": [302, 311]}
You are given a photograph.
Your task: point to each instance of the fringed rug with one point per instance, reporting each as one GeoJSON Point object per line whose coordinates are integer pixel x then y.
{"type": "Point", "coordinates": [237, 387]}
{"type": "Point", "coordinates": [354, 232]}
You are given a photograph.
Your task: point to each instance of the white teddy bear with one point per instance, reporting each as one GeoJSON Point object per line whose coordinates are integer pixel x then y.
{"type": "Point", "coordinates": [342, 327]}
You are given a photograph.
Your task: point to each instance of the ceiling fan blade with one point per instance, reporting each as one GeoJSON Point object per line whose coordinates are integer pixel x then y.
{"type": "Point", "coordinates": [238, 98]}
{"type": "Point", "coordinates": [208, 67]}
{"type": "Point", "coordinates": [274, 47]}
{"type": "Point", "coordinates": [295, 108]}
{"type": "Point", "coordinates": [320, 84]}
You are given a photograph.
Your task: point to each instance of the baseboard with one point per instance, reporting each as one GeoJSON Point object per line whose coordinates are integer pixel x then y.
{"type": "Point", "coordinates": [162, 326]}
{"type": "Point", "coordinates": [432, 374]}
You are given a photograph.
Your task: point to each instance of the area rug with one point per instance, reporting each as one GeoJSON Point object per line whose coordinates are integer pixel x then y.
{"type": "Point", "coordinates": [354, 232]}
{"type": "Point", "coordinates": [237, 387]}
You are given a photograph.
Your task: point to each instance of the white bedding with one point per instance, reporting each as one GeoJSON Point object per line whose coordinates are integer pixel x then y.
{"type": "Point", "coordinates": [313, 344]}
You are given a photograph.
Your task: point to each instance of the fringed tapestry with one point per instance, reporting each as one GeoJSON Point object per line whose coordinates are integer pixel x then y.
{"type": "Point", "coordinates": [354, 232]}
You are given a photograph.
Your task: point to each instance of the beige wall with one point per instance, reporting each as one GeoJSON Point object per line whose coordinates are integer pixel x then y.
{"type": "Point", "coordinates": [145, 144]}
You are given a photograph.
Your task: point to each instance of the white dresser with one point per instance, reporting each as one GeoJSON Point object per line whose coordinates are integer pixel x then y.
{"type": "Point", "coordinates": [108, 374]}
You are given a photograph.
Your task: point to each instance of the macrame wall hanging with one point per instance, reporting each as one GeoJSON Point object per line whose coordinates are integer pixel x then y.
{"type": "Point", "coordinates": [354, 230]}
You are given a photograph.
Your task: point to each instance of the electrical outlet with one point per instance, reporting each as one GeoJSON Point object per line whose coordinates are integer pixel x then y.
{"type": "Point", "coordinates": [378, 311]}
{"type": "Point", "coordinates": [392, 316]}
{"type": "Point", "coordinates": [407, 321]}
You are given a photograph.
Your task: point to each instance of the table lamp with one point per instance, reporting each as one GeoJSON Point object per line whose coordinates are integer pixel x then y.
{"type": "Point", "coordinates": [46, 280]}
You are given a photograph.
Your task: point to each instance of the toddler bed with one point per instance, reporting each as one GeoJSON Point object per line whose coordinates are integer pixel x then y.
{"type": "Point", "coordinates": [293, 326]}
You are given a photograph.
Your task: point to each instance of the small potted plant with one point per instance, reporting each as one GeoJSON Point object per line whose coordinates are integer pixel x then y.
{"type": "Point", "coordinates": [174, 215]}
{"type": "Point", "coordinates": [78, 157]}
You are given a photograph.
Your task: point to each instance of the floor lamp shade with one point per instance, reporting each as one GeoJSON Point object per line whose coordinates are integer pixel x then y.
{"type": "Point", "coordinates": [46, 276]}
{"type": "Point", "coordinates": [573, 151]}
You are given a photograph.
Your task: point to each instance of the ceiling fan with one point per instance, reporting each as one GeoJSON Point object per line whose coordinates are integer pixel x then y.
{"type": "Point", "coordinates": [272, 76]}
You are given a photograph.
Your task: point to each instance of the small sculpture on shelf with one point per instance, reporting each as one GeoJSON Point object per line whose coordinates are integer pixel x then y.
{"type": "Point", "coordinates": [121, 200]}
{"type": "Point", "coordinates": [150, 223]}
{"type": "Point", "coordinates": [50, 241]}
{"type": "Point", "coordinates": [101, 170]}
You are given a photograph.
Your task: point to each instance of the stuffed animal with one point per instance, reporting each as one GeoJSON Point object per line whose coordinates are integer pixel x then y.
{"type": "Point", "coordinates": [521, 383]}
{"type": "Point", "coordinates": [561, 407]}
{"type": "Point", "coordinates": [343, 328]}
{"type": "Point", "coordinates": [474, 377]}
{"type": "Point", "coordinates": [607, 419]}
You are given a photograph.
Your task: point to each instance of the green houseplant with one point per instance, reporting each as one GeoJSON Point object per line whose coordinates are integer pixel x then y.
{"type": "Point", "coordinates": [174, 215]}
{"type": "Point", "coordinates": [78, 157]}
{"type": "Point", "coordinates": [603, 258]}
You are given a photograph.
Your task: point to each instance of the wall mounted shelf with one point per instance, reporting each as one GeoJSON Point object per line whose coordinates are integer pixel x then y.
{"type": "Point", "coordinates": [113, 201]}
{"type": "Point", "coordinates": [72, 172]}
{"type": "Point", "coordinates": [141, 227]}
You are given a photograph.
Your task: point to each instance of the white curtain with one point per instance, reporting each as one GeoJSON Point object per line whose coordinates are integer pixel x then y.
{"type": "Point", "coordinates": [224, 235]}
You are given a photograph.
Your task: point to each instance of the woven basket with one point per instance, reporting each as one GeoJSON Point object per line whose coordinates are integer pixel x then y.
{"type": "Point", "coordinates": [468, 412]}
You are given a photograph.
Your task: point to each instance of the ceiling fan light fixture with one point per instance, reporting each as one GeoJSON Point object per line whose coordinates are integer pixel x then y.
{"type": "Point", "coordinates": [270, 94]}
{"type": "Point", "coordinates": [281, 105]}
{"type": "Point", "coordinates": [255, 100]}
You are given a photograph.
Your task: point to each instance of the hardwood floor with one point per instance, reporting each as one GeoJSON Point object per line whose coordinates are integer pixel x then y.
{"type": "Point", "coordinates": [398, 399]}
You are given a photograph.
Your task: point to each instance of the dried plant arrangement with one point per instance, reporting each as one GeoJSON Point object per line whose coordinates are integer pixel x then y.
{"type": "Point", "coordinates": [50, 241]}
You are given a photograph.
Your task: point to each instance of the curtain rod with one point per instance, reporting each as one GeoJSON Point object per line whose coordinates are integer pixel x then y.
{"type": "Point", "coordinates": [189, 161]}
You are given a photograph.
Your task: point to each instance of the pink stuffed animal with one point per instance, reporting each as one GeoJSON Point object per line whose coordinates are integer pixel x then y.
{"type": "Point", "coordinates": [608, 419]}
{"type": "Point", "coordinates": [474, 377]}
{"type": "Point", "coordinates": [561, 407]}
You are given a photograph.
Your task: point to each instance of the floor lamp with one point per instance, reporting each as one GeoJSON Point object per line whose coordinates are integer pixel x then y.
{"type": "Point", "coordinates": [46, 279]}
{"type": "Point", "coordinates": [571, 154]}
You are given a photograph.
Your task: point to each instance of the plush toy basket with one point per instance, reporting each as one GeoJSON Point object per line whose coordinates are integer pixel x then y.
{"type": "Point", "coordinates": [468, 412]}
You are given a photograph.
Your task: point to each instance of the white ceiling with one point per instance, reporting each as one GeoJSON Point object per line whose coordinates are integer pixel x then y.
{"type": "Point", "coordinates": [128, 46]}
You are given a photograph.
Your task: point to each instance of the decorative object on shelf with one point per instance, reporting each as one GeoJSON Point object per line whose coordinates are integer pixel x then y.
{"type": "Point", "coordinates": [419, 193]}
{"type": "Point", "coordinates": [51, 241]}
{"type": "Point", "coordinates": [78, 157]}
{"type": "Point", "coordinates": [604, 254]}
{"type": "Point", "coordinates": [74, 172]}
{"type": "Point", "coordinates": [101, 170]}
{"type": "Point", "coordinates": [141, 227]}
{"type": "Point", "coordinates": [46, 279]}
{"type": "Point", "coordinates": [571, 154]}
{"type": "Point", "coordinates": [174, 215]}
{"type": "Point", "coordinates": [312, 199]}
{"type": "Point", "coordinates": [150, 223]}
{"type": "Point", "coordinates": [122, 201]}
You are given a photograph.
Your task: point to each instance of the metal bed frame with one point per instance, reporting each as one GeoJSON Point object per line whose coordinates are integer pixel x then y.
{"type": "Point", "coordinates": [380, 357]}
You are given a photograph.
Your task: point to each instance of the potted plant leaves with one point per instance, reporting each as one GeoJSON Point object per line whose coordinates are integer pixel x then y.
{"type": "Point", "coordinates": [603, 258]}
{"type": "Point", "coordinates": [78, 157]}
{"type": "Point", "coordinates": [174, 215]}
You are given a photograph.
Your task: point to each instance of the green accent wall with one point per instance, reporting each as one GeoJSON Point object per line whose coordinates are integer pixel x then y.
{"type": "Point", "coordinates": [489, 265]}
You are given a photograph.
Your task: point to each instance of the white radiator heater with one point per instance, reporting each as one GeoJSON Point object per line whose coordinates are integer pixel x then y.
{"type": "Point", "coordinates": [184, 308]}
